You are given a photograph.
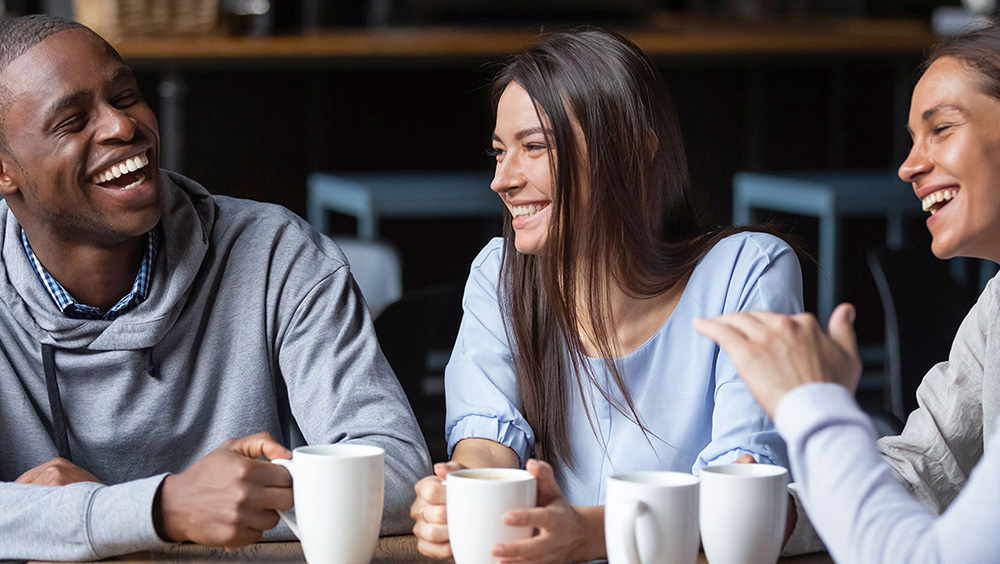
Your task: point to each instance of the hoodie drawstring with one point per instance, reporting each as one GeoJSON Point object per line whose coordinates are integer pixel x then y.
{"type": "Point", "coordinates": [55, 402]}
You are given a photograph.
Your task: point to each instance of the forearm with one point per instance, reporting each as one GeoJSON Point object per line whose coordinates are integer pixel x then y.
{"type": "Point", "coordinates": [484, 453]}
{"type": "Point", "coordinates": [82, 521]}
{"type": "Point", "coordinates": [855, 504]}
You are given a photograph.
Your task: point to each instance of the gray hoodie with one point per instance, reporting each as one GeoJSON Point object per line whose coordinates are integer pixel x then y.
{"type": "Point", "coordinates": [245, 299]}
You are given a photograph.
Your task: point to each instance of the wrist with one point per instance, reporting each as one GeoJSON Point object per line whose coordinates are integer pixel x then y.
{"type": "Point", "coordinates": [592, 547]}
{"type": "Point", "coordinates": [165, 513]}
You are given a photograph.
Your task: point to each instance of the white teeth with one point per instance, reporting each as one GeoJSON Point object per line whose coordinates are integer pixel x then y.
{"type": "Point", "coordinates": [119, 169]}
{"type": "Point", "coordinates": [937, 197]}
{"type": "Point", "coordinates": [526, 211]}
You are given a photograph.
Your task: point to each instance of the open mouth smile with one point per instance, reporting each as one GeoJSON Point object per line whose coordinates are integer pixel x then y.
{"type": "Point", "coordinates": [124, 175]}
{"type": "Point", "coordinates": [526, 211]}
{"type": "Point", "coordinates": [937, 200]}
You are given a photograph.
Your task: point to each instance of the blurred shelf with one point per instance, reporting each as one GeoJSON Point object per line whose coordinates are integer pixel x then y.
{"type": "Point", "coordinates": [669, 38]}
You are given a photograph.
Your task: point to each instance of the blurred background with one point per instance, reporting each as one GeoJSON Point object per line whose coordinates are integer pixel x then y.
{"type": "Point", "coordinates": [269, 99]}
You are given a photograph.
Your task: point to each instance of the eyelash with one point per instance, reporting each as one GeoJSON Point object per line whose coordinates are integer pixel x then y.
{"type": "Point", "coordinates": [941, 129]}
{"type": "Point", "coordinates": [494, 152]}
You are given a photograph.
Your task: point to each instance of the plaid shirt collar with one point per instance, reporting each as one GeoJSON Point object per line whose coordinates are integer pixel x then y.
{"type": "Point", "coordinates": [71, 308]}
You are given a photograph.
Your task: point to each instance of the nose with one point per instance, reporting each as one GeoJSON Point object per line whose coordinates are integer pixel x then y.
{"type": "Point", "coordinates": [915, 165]}
{"type": "Point", "coordinates": [114, 125]}
{"type": "Point", "coordinates": [507, 175]}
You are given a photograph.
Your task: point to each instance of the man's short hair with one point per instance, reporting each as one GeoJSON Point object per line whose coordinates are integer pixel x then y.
{"type": "Point", "coordinates": [17, 35]}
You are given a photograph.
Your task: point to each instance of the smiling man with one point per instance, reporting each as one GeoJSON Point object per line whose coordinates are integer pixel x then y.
{"type": "Point", "coordinates": [157, 338]}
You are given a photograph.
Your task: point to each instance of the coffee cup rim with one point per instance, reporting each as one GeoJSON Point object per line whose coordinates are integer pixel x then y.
{"type": "Point", "coordinates": [508, 475]}
{"type": "Point", "coordinates": [737, 471]}
{"type": "Point", "coordinates": [339, 450]}
{"type": "Point", "coordinates": [656, 478]}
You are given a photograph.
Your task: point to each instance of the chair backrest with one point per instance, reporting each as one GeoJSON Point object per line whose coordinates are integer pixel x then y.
{"type": "Point", "coordinates": [377, 269]}
{"type": "Point", "coordinates": [410, 328]}
{"type": "Point", "coordinates": [923, 305]}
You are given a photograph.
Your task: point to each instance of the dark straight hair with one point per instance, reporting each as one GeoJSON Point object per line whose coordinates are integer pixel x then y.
{"type": "Point", "coordinates": [622, 216]}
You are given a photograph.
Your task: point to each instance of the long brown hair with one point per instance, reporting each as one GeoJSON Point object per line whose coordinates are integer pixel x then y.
{"type": "Point", "coordinates": [635, 227]}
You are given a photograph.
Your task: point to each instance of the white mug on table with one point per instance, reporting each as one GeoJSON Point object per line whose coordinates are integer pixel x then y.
{"type": "Point", "coordinates": [477, 499]}
{"type": "Point", "coordinates": [338, 492]}
{"type": "Point", "coordinates": [743, 511]}
{"type": "Point", "coordinates": [651, 517]}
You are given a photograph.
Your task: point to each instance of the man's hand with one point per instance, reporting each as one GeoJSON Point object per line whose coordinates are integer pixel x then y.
{"type": "Point", "coordinates": [565, 533]}
{"type": "Point", "coordinates": [56, 472]}
{"type": "Point", "coordinates": [229, 497]}
{"type": "Point", "coordinates": [775, 353]}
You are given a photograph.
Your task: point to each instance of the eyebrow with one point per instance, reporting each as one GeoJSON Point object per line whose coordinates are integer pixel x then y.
{"type": "Point", "coordinates": [63, 103]}
{"type": "Point", "coordinates": [928, 114]}
{"type": "Point", "coordinates": [121, 74]}
{"type": "Point", "coordinates": [525, 133]}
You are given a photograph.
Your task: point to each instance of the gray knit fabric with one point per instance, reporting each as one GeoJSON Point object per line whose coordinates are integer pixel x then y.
{"type": "Point", "coordinates": [242, 293]}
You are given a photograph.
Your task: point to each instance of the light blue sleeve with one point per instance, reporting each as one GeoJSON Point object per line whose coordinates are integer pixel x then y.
{"type": "Point", "coordinates": [765, 275]}
{"type": "Point", "coordinates": [859, 509]}
{"type": "Point", "coordinates": [480, 386]}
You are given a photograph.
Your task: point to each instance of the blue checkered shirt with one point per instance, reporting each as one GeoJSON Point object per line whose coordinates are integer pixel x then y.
{"type": "Point", "coordinates": [71, 308]}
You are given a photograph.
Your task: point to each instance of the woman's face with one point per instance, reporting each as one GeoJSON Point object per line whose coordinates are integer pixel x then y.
{"type": "Point", "coordinates": [954, 164]}
{"type": "Point", "coordinates": [523, 178]}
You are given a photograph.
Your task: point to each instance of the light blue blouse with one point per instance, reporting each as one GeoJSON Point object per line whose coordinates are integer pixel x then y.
{"type": "Point", "coordinates": [684, 387]}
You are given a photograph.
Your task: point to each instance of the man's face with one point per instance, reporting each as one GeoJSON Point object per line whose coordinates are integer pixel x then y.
{"type": "Point", "coordinates": [83, 163]}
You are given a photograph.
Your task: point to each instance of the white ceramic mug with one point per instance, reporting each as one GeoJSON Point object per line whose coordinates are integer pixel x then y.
{"type": "Point", "coordinates": [743, 511]}
{"type": "Point", "coordinates": [338, 491]}
{"type": "Point", "coordinates": [651, 517]}
{"type": "Point", "coordinates": [477, 500]}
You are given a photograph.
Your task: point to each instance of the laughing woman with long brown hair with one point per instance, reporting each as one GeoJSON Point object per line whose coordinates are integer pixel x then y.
{"type": "Point", "coordinates": [576, 345]}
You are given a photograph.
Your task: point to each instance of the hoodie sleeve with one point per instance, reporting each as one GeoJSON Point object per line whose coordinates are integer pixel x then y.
{"type": "Point", "coordinates": [342, 390]}
{"type": "Point", "coordinates": [82, 521]}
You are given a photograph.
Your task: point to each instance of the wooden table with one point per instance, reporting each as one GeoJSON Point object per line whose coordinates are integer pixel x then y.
{"type": "Point", "coordinates": [391, 550]}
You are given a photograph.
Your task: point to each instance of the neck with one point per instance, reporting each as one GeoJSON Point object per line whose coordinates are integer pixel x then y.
{"type": "Point", "coordinates": [635, 320]}
{"type": "Point", "coordinates": [93, 275]}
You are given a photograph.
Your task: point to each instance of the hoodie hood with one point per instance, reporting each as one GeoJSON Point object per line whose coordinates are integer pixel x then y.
{"type": "Point", "coordinates": [189, 214]}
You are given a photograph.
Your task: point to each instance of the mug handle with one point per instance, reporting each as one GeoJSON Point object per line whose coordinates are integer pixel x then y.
{"type": "Point", "coordinates": [285, 516]}
{"type": "Point", "coordinates": [634, 510]}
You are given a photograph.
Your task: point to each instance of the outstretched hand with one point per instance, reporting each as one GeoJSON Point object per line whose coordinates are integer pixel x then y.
{"type": "Point", "coordinates": [565, 533]}
{"type": "Point", "coordinates": [229, 497]}
{"type": "Point", "coordinates": [775, 353]}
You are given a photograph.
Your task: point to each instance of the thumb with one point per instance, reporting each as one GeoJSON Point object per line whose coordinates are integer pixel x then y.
{"type": "Point", "coordinates": [548, 488]}
{"type": "Point", "coordinates": [841, 328]}
{"type": "Point", "coordinates": [260, 445]}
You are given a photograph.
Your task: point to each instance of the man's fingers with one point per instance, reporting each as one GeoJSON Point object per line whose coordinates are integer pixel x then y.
{"type": "Point", "coordinates": [260, 445]}
{"type": "Point", "coordinates": [745, 459]}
